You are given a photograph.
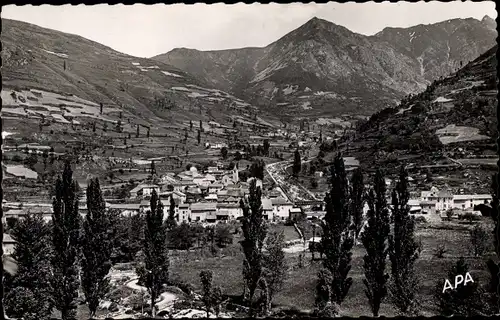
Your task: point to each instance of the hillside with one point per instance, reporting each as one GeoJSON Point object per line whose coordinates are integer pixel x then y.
{"type": "Point", "coordinates": [324, 69]}
{"type": "Point", "coordinates": [48, 60]}
{"type": "Point", "coordinates": [109, 110]}
{"type": "Point", "coordinates": [450, 126]}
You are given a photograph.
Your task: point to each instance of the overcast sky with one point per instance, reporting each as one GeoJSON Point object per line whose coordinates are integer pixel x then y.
{"type": "Point", "coordinates": [147, 30]}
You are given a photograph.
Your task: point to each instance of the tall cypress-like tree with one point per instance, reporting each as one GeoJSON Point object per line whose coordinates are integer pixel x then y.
{"type": "Point", "coordinates": [154, 272]}
{"type": "Point", "coordinates": [297, 163]}
{"type": "Point", "coordinates": [171, 223]}
{"type": "Point", "coordinates": [198, 137]}
{"type": "Point", "coordinates": [375, 240]}
{"type": "Point", "coordinates": [336, 241]}
{"type": "Point", "coordinates": [97, 246]}
{"type": "Point", "coordinates": [254, 232]}
{"type": "Point", "coordinates": [274, 263]}
{"type": "Point", "coordinates": [357, 191]}
{"type": "Point", "coordinates": [65, 241]}
{"type": "Point", "coordinates": [403, 249]}
{"type": "Point", "coordinates": [30, 297]}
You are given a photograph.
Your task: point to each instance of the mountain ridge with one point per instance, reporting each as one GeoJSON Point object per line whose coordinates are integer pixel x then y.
{"type": "Point", "coordinates": [344, 64]}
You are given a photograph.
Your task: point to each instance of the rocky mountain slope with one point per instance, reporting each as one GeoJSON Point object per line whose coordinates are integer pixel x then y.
{"type": "Point", "coordinates": [324, 69]}
{"type": "Point", "coordinates": [451, 125]}
{"type": "Point", "coordinates": [146, 90]}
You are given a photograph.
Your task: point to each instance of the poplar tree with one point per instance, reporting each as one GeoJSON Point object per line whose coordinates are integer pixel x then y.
{"type": "Point", "coordinates": [357, 191]}
{"type": "Point", "coordinates": [65, 241]}
{"type": "Point", "coordinates": [171, 223]}
{"type": "Point", "coordinates": [254, 232]}
{"type": "Point", "coordinates": [296, 163]}
{"type": "Point", "coordinates": [30, 297]}
{"type": "Point", "coordinates": [97, 246]}
{"type": "Point", "coordinates": [336, 241]}
{"type": "Point", "coordinates": [274, 265]}
{"type": "Point", "coordinates": [375, 240]}
{"type": "Point", "coordinates": [403, 249]}
{"type": "Point", "coordinates": [199, 136]}
{"type": "Point", "coordinates": [154, 272]}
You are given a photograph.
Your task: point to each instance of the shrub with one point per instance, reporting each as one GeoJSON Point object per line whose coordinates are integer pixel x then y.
{"type": "Point", "coordinates": [420, 219]}
{"type": "Point", "coordinates": [479, 238]}
{"type": "Point", "coordinates": [440, 251]}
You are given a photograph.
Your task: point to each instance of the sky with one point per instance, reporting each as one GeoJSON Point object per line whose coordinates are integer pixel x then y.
{"type": "Point", "coordinates": [147, 30]}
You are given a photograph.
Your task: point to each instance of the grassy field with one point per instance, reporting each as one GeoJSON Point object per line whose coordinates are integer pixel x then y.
{"type": "Point", "coordinates": [299, 288]}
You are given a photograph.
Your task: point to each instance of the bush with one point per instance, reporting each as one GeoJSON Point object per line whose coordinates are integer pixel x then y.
{"type": "Point", "coordinates": [479, 238]}
{"type": "Point", "coordinates": [440, 251]}
{"type": "Point", "coordinates": [420, 219]}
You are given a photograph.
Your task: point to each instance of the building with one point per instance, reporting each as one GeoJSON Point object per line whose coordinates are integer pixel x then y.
{"type": "Point", "coordinates": [214, 188]}
{"type": "Point", "coordinates": [295, 213]}
{"type": "Point", "coordinates": [414, 205]}
{"type": "Point", "coordinates": [443, 199]}
{"type": "Point", "coordinates": [125, 208]}
{"type": "Point", "coordinates": [8, 244]}
{"type": "Point", "coordinates": [184, 213]}
{"type": "Point", "coordinates": [267, 208]}
{"type": "Point", "coordinates": [204, 211]}
{"type": "Point", "coordinates": [228, 211]}
{"type": "Point", "coordinates": [281, 209]}
{"type": "Point", "coordinates": [466, 201]}
{"type": "Point", "coordinates": [144, 190]}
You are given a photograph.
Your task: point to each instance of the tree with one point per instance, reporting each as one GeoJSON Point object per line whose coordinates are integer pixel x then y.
{"type": "Point", "coordinates": [254, 232]}
{"type": "Point", "coordinates": [154, 272]}
{"type": "Point", "coordinates": [223, 152]}
{"type": "Point", "coordinates": [201, 126]}
{"type": "Point", "coordinates": [65, 241]}
{"type": "Point", "coordinates": [147, 133]}
{"type": "Point", "coordinates": [314, 183]}
{"type": "Point", "coordinates": [171, 223]}
{"type": "Point", "coordinates": [30, 296]}
{"type": "Point", "coordinates": [190, 125]}
{"type": "Point", "coordinates": [237, 156]}
{"type": "Point", "coordinates": [478, 238]}
{"type": "Point", "coordinates": [337, 242]}
{"type": "Point", "coordinates": [100, 107]}
{"type": "Point", "coordinates": [93, 126]}
{"type": "Point", "coordinates": [357, 190]}
{"type": "Point", "coordinates": [211, 296]}
{"type": "Point", "coordinates": [464, 300]}
{"type": "Point", "coordinates": [137, 133]}
{"type": "Point", "coordinates": [266, 147]}
{"type": "Point", "coordinates": [153, 169]}
{"type": "Point", "coordinates": [296, 163]}
{"type": "Point", "coordinates": [274, 264]}
{"type": "Point", "coordinates": [323, 290]}
{"type": "Point", "coordinates": [375, 238]}
{"type": "Point", "coordinates": [198, 137]}
{"type": "Point", "coordinates": [97, 246]}
{"type": "Point", "coordinates": [182, 236]}
{"type": "Point", "coordinates": [223, 235]}
{"type": "Point", "coordinates": [403, 249]}
{"type": "Point", "coordinates": [257, 169]}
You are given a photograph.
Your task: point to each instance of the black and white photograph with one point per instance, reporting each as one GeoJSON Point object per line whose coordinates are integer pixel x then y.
{"type": "Point", "coordinates": [165, 161]}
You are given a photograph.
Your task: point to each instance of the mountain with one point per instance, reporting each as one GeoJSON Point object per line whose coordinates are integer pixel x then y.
{"type": "Point", "coordinates": [39, 58]}
{"type": "Point", "coordinates": [451, 124]}
{"type": "Point", "coordinates": [325, 69]}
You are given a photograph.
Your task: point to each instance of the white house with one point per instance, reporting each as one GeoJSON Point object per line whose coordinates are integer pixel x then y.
{"type": "Point", "coordinates": [8, 244]}
{"type": "Point", "coordinates": [204, 211]}
{"type": "Point", "coordinates": [228, 211]}
{"type": "Point", "coordinates": [466, 201]}
{"type": "Point", "coordinates": [184, 213]}
{"type": "Point", "coordinates": [281, 208]}
{"type": "Point", "coordinates": [215, 187]}
{"type": "Point", "coordinates": [443, 199]}
{"type": "Point", "coordinates": [267, 208]}
{"type": "Point", "coordinates": [144, 190]}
